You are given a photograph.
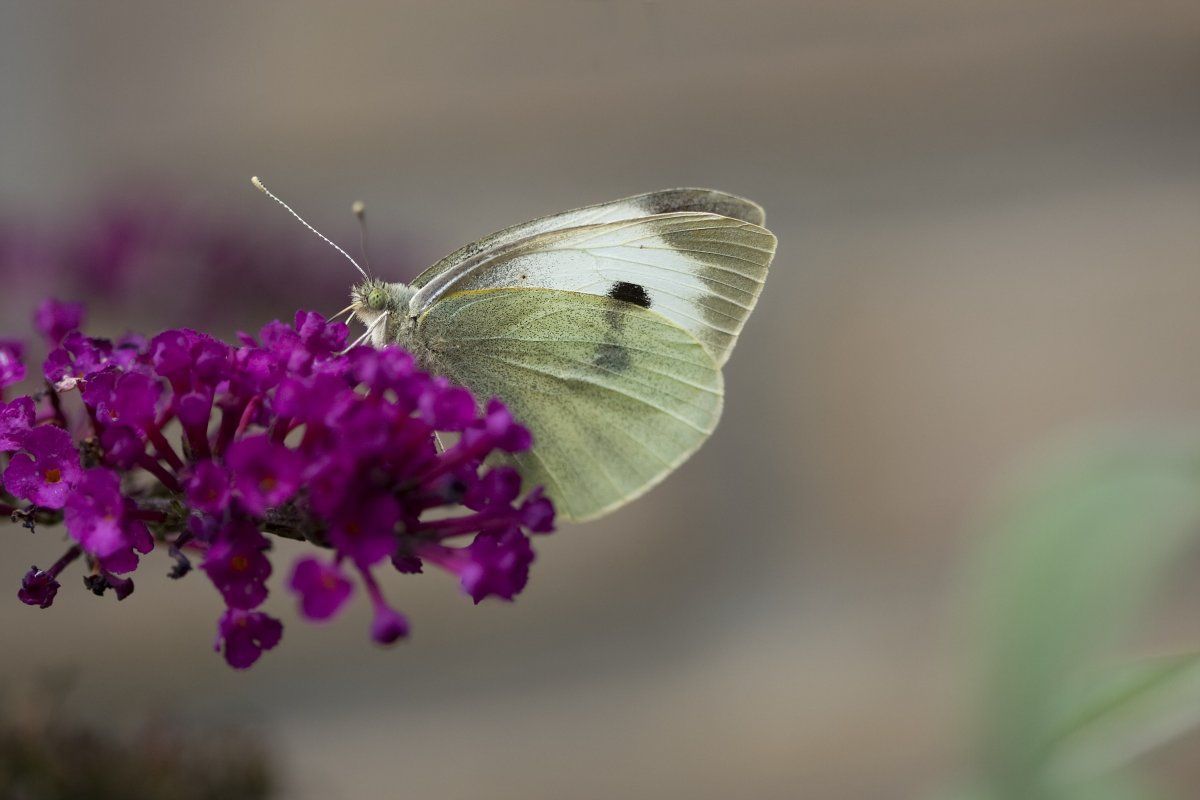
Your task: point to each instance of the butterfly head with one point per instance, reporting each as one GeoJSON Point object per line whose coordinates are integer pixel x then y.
{"type": "Point", "coordinates": [373, 300]}
{"type": "Point", "coordinates": [374, 297]}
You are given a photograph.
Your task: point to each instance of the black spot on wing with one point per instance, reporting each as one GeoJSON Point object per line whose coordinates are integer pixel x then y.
{"type": "Point", "coordinates": [630, 293]}
{"type": "Point", "coordinates": [612, 357]}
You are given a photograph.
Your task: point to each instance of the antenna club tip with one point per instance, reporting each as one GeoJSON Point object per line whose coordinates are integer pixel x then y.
{"type": "Point", "coordinates": [259, 185]}
{"type": "Point", "coordinates": [359, 208]}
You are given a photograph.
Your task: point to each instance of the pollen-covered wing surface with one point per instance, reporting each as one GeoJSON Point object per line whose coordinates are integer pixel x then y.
{"type": "Point", "coordinates": [604, 330]}
{"type": "Point", "coordinates": [616, 396]}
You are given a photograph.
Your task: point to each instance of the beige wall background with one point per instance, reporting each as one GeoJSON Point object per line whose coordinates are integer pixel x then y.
{"type": "Point", "coordinates": [987, 216]}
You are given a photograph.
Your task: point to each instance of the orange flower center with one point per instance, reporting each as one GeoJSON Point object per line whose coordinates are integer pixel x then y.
{"type": "Point", "coordinates": [52, 475]}
{"type": "Point", "coordinates": [239, 563]}
{"type": "Point", "coordinates": [268, 483]}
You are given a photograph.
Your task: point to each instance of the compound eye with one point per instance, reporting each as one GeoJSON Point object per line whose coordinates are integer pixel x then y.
{"type": "Point", "coordinates": [376, 300]}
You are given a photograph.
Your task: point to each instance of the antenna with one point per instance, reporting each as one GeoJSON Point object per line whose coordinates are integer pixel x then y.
{"type": "Point", "coordinates": [360, 213]}
{"type": "Point", "coordinates": [259, 185]}
{"type": "Point", "coordinates": [367, 333]}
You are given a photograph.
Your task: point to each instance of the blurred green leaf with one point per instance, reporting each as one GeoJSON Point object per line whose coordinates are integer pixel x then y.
{"type": "Point", "coordinates": [1110, 787]}
{"type": "Point", "coordinates": [1069, 565]}
{"type": "Point", "coordinates": [1126, 711]}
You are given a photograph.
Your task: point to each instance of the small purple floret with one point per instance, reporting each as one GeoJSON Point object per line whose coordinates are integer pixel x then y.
{"type": "Point", "coordinates": [98, 517]}
{"type": "Point", "coordinates": [323, 588]}
{"type": "Point", "coordinates": [46, 469]}
{"type": "Point", "coordinates": [507, 434]}
{"type": "Point", "coordinates": [447, 407]}
{"type": "Point", "coordinates": [265, 473]}
{"type": "Point", "coordinates": [75, 358]}
{"type": "Point", "coordinates": [238, 566]}
{"type": "Point", "coordinates": [208, 489]}
{"type": "Point", "coordinates": [537, 513]}
{"type": "Point", "coordinates": [388, 625]}
{"type": "Point", "coordinates": [102, 582]}
{"type": "Point", "coordinates": [12, 364]}
{"type": "Point", "coordinates": [38, 588]}
{"type": "Point", "coordinates": [123, 447]}
{"type": "Point", "coordinates": [493, 564]}
{"type": "Point", "coordinates": [368, 534]}
{"type": "Point", "coordinates": [16, 418]}
{"type": "Point", "coordinates": [243, 635]}
{"type": "Point", "coordinates": [123, 398]}
{"type": "Point", "coordinates": [54, 319]}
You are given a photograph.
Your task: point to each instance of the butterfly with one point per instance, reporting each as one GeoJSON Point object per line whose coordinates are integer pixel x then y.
{"type": "Point", "coordinates": [603, 329]}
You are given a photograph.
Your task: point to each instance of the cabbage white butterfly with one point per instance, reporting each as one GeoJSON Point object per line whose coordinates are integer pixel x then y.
{"type": "Point", "coordinates": [603, 329]}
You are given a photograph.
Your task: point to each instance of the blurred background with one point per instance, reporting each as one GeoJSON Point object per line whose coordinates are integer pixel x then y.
{"type": "Point", "coordinates": [988, 224]}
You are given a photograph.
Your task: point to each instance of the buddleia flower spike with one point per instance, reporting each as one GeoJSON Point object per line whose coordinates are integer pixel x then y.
{"type": "Point", "coordinates": [212, 450]}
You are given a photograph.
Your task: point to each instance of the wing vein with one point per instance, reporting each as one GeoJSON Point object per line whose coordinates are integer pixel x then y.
{"type": "Point", "coordinates": [604, 387]}
{"type": "Point", "coordinates": [591, 252]}
{"type": "Point", "coordinates": [756, 263]}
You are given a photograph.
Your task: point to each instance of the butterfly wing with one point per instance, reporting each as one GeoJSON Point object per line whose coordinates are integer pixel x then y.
{"type": "Point", "coordinates": [643, 205]}
{"type": "Point", "coordinates": [617, 395]}
{"type": "Point", "coordinates": [702, 271]}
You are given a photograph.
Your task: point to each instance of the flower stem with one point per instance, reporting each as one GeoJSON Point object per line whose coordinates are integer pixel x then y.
{"type": "Point", "coordinates": [67, 558]}
{"type": "Point", "coordinates": [151, 465]}
{"type": "Point", "coordinates": [164, 448]}
{"type": "Point", "coordinates": [247, 415]}
{"type": "Point", "coordinates": [456, 456]}
{"type": "Point", "coordinates": [60, 418]}
{"type": "Point", "coordinates": [457, 526]}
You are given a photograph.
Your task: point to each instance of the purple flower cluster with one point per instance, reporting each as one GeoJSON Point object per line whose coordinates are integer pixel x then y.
{"type": "Point", "coordinates": [205, 448]}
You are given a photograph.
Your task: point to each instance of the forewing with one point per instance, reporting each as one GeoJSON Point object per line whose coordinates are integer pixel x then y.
{"type": "Point", "coordinates": [616, 396]}
{"type": "Point", "coordinates": [643, 205]}
{"type": "Point", "coordinates": [704, 272]}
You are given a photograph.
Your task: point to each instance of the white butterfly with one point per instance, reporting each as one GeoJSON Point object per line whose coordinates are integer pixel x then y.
{"type": "Point", "coordinates": [603, 329]}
